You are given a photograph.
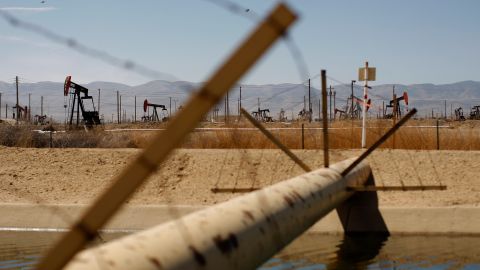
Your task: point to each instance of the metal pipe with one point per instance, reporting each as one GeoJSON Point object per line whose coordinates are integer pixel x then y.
{"type": "Point", "coordinates": [241, 233]}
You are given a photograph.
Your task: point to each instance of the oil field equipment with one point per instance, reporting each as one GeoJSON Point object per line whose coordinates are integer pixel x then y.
{"type": "Point", "coordinates": [459, 114]}
{"type": "Point", "coordinates": [154, 117]}
{"type": "Point", "coordinates": [22, 112]}
{"type": "Point", "coordinates": [262, 115]}
{"type": "Point", "coordinates": [304, 114]}
{"type": "Point", "coordinates": [40, 120]}
{"type": "Point", "coordinates": [78, 95]}
{"type": "Point", "coordinates": [394, 106]}
{"type": "Point", "coordinates": [475, 113]}
{"type": "Point", "coordinates": [281, 116]}
{"type": "Point", "coordinates": [342, 113]}
{"type": "Point", "coordinates": [354, 111]}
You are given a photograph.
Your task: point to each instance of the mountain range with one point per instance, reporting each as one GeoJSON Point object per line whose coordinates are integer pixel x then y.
{"type": "Point", "coordinates": [290, 97]}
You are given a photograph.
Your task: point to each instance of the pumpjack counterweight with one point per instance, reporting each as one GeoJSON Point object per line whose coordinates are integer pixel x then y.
{"type": "Point", "coordinates": [79, 95]}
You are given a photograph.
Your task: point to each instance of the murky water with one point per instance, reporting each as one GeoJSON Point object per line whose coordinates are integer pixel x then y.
{"type": "Point", "coordinates": [21, 250]}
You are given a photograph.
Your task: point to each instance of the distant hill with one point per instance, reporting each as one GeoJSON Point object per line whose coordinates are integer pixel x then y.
{"type": "Point", "coordinates": [273, 96]}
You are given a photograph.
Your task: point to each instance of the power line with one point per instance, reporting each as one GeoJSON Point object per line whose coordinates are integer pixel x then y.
{"type": "Point", "coordinates": [79, 47]}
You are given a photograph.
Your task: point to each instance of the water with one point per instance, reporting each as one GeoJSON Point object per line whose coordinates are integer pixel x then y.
{"type": "Point", "coordinates": [21, 250]}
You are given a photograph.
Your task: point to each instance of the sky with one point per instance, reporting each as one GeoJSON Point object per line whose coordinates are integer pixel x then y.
{"type": "Point", "coordinates": [408, 41]}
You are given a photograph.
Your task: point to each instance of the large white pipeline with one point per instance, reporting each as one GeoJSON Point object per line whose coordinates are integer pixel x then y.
{"type": "Point", "coordinates": [241, 233]}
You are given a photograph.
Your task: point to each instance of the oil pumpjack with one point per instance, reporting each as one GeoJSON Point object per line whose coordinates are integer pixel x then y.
{"type": "Point", "coordinates": [395, 106]}
{"type": "Point", "coordinates": [353, 112]}
{"type": "Point", "coordinates": [154, 117]}
{"type": "Point", "coordinates": [78, 96]}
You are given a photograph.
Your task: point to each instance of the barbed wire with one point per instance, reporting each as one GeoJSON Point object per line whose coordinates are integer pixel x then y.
{"type": "Point", "coordinates": [232, 7]}
{"type": "Point", "coordinates": [79, 47]}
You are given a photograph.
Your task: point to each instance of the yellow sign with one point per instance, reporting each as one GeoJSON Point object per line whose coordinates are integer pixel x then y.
{"type": "Point", "coordinates": [370, 76]}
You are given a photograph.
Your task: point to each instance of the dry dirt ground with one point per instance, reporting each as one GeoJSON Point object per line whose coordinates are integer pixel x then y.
{"type": "Point", "coordinates": [29, 175]}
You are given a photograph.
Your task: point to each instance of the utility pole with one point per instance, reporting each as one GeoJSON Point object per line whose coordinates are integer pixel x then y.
{"type": "Point", "coordinates": [351, 108]}
{"type": "Point", "coordinates": [334, 104]}
{"type": "Point", "coordinates": [98, 101]}
{"type": "Point", "coordinates": [29, 108]}
{"type": "Point", "coordinates": [225, 109]}
{"type": "Point", "coordinates": [118, 108]}
{"type": "Point", "coordinates": [304, 104]}
{"type": "Point", "coordinates": [325, 120]}
{"type": "Point", "coordinates": [135, 114]}
{"type": "Point", "coordinates": [0, 105]}
{"type": "Point", "coordinates": [383, 109]}
{"type": "Point", "coordinates": [330, 102]}
{"type": "Point", "coordinates": [319, 109]}
{"type": "Point", "coordinates": [121, 111]}
{"type": "Point", "coordinates": [18, 109]}
{"type": "Point", "coordinates": [445, 115]}
{"type": "Point", "coordinates": [41, 105]}
{"type": "Point", "coordinates": [228, 107]}
{"type": "Point", "coordinates": [309, 104]}
{"type": "Point", "coordinates": [170, 110]}
{"type": "Point", "coordinates": [240, 103]}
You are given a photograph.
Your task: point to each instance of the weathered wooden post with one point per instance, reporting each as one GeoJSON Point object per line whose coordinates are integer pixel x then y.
{"type": "Point", "coordinates": [324, 116]}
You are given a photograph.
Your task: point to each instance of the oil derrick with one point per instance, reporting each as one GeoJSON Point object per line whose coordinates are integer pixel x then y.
{"type": "Point", "coordinates": [78, 96]}
{"type": "Point", "coordinates": [154, 116]}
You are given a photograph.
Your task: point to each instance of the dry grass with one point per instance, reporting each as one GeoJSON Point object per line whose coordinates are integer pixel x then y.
{"type": "Point", "coordinates": [23, 136]}
{"type": "Point", "coordinates": [406, 138]}
{"type": "Point", "coordinates": [343, 135]}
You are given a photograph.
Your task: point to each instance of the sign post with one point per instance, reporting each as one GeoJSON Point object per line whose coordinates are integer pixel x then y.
{"type": "Point", "coordinates": [365, 74]}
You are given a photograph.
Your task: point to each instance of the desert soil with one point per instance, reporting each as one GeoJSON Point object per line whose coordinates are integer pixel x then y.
{"type": "Point", "coordinates": [77, 176]}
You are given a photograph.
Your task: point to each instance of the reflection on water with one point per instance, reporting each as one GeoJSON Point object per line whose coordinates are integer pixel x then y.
{"type": "Point", "coordinates": [319, 251]}
{"type": "Point", "coordinates": [21, 250]}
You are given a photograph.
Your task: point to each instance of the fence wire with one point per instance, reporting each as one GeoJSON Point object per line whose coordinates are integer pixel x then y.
{"type": "Point", "coordinates": [170, 178]}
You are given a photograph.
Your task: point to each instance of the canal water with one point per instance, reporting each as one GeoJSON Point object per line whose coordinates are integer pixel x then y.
{"type": "Point", "coordinates": [21, 250]}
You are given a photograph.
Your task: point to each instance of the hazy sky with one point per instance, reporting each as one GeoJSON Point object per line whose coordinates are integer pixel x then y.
{"type": "Point", "coordinates": [409, 41]}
